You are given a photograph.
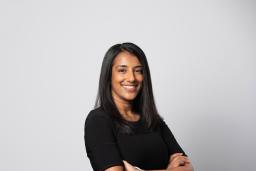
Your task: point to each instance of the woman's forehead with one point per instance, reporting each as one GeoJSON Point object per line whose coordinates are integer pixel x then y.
{"type": "Point", "coordinates": [126, 59]}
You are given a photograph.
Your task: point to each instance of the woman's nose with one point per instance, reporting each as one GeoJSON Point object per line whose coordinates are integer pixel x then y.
{"type": "Point", "coordinates": [131, 77]}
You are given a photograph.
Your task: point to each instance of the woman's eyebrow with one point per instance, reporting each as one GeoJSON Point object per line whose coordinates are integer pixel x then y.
{"type": "Point", "coordinates": [139, 66]}
{"type": "Point", "coordinates": [125, 66]}
{"type": "Point", "coordinates": [121, 66]}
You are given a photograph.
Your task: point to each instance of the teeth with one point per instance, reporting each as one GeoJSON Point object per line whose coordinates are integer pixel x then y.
{"type": "Point", "coordinates": [130, 87]}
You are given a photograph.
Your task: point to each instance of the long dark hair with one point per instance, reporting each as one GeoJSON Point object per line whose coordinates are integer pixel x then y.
{"type": "Point", "coordinates": [144, 102]}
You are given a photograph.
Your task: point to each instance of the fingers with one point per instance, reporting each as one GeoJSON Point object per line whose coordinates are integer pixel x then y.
{"type": "Point", "coordinates": [179, 155]}
{"type": "Point", "coordinates": [180, 161]}
{"type": "Point", "coordinates": [181, 158]}
{"type": "Point", "coordinates": [177, 160]}
{"type": "Point", "coordinates": [175, 155]}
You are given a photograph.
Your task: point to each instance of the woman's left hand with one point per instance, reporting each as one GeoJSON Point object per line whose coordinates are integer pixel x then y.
{"type": "Point", "coordinates": [177, 160]}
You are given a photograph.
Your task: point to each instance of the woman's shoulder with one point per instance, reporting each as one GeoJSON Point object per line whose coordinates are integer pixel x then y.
{"type": "Point", "coordinates": [98, 119]}
{"type": "Point", "coordinates": [160, 124]}
{"type": "Point", "coordinates": [97, 113]}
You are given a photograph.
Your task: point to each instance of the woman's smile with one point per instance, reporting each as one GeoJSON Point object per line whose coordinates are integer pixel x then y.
{"type": "Point", "coordinates": [130, 88]}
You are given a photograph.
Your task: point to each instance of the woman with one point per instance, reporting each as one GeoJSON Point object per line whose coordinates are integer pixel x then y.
{"type": "Point", "coordinates": [125, 131]}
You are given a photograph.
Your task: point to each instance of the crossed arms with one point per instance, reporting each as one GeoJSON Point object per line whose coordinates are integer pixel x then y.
{"type": "Point", "coordinates": [177, 162]}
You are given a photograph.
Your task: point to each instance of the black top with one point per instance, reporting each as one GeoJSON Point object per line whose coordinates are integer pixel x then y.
{"type": "Point", "coordinates": [106, 147]}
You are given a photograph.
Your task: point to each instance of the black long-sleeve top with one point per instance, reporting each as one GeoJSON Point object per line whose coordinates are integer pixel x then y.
{"type": "Point", "coordinates": [107, 147]}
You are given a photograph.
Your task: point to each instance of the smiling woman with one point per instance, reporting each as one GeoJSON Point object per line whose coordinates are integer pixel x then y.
{"type": "Point", "coordinates": [125, 131]}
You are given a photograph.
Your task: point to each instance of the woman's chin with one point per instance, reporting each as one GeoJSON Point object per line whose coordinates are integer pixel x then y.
{"type": "Point", "coordinates": [130, 97]}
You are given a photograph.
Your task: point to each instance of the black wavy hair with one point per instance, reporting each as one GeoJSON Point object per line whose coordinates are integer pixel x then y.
{"type": "Point", "coordinates": [144, 103]}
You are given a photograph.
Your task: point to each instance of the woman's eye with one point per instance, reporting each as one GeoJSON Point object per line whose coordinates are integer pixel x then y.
{"type": "Point", "coordinates": [139, 71]}
{"type": "Point", "coordinates": [121, 70]}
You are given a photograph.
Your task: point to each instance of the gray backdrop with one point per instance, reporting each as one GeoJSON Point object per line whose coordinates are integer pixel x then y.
{"type": "Point", "coordinates": [202, 60]}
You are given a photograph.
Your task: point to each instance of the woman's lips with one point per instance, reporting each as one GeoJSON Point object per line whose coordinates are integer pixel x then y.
{"type": "Point", "coordinates": [130, 88]}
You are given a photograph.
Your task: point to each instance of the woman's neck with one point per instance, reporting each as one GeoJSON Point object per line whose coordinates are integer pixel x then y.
{"type": "Point", "coordinates": [123, 106]}
{"type": "Point", "coordinates": [125, 109]}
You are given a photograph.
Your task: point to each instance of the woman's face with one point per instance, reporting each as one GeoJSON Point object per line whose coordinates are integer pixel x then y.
{"type": "Point", "coordinates": [127, 77]}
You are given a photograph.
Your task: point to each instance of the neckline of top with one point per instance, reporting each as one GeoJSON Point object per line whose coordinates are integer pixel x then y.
{"type": "Point", "coordinates": [134, 122]}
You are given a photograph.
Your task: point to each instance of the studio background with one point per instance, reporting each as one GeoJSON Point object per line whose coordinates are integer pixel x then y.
{"type": "Point", "coordinates": [202, 60]}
